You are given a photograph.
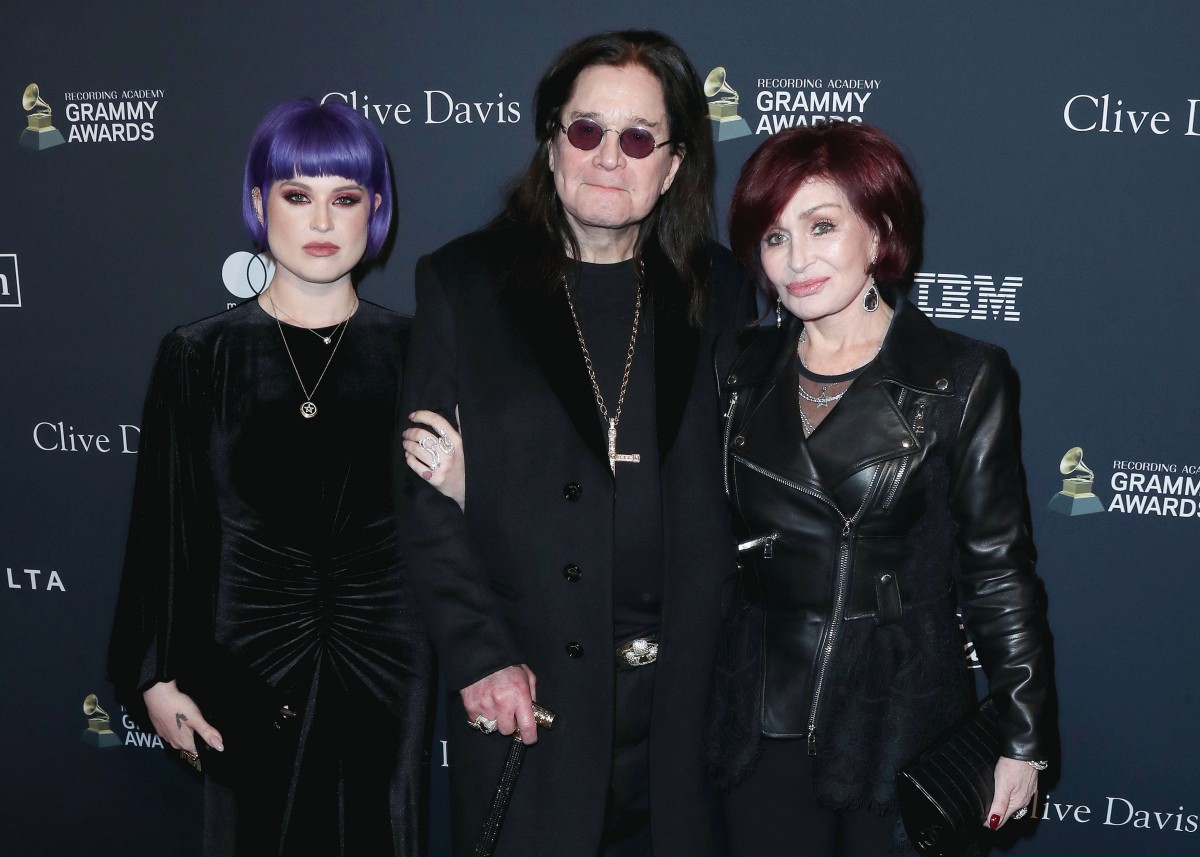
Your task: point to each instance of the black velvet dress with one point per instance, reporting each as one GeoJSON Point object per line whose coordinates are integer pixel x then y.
{"type": "Point", "coordinates": [262, 569]}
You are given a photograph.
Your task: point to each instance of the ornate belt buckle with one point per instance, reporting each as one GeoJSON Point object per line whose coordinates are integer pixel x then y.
{"type": "Point", "coordinates": [637, 653]}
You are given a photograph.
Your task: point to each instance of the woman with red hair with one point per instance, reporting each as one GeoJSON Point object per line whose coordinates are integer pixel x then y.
{"type": "Point", "coordinates": [872, 461]}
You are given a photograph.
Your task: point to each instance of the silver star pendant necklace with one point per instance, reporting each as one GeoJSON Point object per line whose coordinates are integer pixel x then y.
{"type": "Point", "coordinates": [308, 408]}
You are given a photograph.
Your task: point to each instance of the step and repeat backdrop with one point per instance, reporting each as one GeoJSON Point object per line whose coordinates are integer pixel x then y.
{"type": "Point", "coordinates": [1058, 146]}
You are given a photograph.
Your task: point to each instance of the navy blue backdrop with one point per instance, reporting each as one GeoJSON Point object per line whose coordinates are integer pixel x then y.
{"type": "Point", "coordinates": [1057, 146]}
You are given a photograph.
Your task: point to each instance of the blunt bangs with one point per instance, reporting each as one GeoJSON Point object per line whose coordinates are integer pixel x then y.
{"type": "Point", "coordinates": [304, 138]}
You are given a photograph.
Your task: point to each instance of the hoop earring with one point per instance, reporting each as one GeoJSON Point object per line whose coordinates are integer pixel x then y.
{"type": "Point", "coordinates": [779, 312]}
{"type": "Point", "coordinates": [870, 301]}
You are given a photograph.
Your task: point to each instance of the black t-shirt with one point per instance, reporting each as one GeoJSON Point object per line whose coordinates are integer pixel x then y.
{"type": "Point", "coordinates": [604, 297]}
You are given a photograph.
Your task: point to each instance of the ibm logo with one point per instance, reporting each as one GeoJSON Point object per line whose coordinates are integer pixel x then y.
{"type": "Point", "coordinates": [10, 283]}
{"type": "Point", "coordinates": [959, 296]}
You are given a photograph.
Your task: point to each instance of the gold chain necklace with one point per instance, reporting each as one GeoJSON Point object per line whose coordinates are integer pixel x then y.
{"type": "Point", "coordinates": [615, 419]}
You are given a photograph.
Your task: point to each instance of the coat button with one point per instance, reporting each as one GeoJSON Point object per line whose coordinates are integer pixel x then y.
{"type": "Point", "coordinates": [907, 443]}
{"type": "Point", "coordinates": [941, 384]}
{"type": "Point", "coordinates": [574, 650]}
{"type": "Point", "coordinates": [572, 573]}
{"type": "Point", "coordinates": [885, 578]}
{"type": "Point", "coordinates": [732, 379]}
{"type": "Point", "coordinates": [572, 490]}
{"type": "Point", "coordinates": [739, 441]}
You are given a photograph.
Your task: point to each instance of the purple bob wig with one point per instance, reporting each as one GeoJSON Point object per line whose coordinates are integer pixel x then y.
{"type": "Point", "coordinates": [304, 138]}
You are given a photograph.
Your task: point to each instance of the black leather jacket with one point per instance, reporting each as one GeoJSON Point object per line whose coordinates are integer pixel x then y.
{"type": "Point", "coordinates": [859, 545]}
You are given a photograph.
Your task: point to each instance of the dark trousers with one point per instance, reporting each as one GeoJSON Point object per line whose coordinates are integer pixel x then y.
{"type": "Point", "coordinates": [627, 817]}
{"type": "Point", "coordinates": [774, 811]}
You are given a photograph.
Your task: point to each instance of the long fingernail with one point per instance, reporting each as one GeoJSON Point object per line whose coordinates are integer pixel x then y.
{"type": "Point", "coordinates": [220, 748]}
{"type": "Point", "coordinates": [994, 822]}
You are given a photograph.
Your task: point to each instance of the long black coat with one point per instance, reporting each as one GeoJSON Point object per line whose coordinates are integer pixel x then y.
{"type": "Point", "coordinates": [539, 498]}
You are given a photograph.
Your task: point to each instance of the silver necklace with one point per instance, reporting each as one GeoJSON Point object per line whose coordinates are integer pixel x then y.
{"type": "Point", "coordinates": [613, 455]}
{"type": "Point", "coordinates": [308, 410]}
{"type": "Point", "coordinates": [290, 317]}
{"type": "Point", "coordinates": [806, 423]}
{"type": "Point", "coordinates": [823, 399]}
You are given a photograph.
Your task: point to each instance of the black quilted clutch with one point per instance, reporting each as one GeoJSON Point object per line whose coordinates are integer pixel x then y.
{"type": "Point", "coordinates": [947, 789]}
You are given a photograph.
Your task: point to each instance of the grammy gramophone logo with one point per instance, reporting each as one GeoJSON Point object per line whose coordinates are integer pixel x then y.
{"type": "Point", "coordinates": [1076, 497]}
{"type": "Point", "coordinates": [724, 109]}
{"type": "Point", "coordinates": [40, 133]}
{"type": "Point", "coordinates": [97, 733]}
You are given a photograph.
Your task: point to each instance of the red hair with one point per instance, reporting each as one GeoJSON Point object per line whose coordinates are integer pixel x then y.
{"type": "Point", "coordinates": [863, 161]}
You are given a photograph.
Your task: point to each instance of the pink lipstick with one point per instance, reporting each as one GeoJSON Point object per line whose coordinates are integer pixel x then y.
{"type": "Point", "coordinates": [804, 288]}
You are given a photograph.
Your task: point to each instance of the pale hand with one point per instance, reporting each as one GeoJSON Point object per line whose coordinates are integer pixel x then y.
{"type": "Point", "coordinates": [177, 720]}
{"type": "Point", "coordinates": [1016, 783]}
{"type": "Point", "coordinates": [507, 697]}
{"type": "Point", "coordinates": [445, 471]}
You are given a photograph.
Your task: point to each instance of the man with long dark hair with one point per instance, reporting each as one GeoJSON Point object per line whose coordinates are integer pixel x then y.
{"type": "Point", "coordinates": [590, 562]}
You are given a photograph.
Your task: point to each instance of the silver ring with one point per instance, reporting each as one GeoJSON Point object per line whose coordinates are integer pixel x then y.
{"type": "Point", "coordinates": [444, 441]}
{"type": "Point", "coordinates": [481, 723]}
{"type": "Point", "coordinates": [1020, 813]}
{"type": "Point", "coordinates": [430, 444]}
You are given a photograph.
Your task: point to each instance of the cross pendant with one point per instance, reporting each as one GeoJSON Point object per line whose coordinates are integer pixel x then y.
{"type": "Point", "coordinates": [613, 455]}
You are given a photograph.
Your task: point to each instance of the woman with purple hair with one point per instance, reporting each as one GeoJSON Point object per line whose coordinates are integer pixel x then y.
{"type": "Point", "coordinates": [264, 626]}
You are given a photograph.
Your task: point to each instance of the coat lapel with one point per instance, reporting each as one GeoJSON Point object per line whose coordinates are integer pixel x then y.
{"type": "Point", "coordinates": [771, 433]}
{"type": "Point", "coordinates": [545, 323]}
{"type": "Point", "coordinates": [914, 356]}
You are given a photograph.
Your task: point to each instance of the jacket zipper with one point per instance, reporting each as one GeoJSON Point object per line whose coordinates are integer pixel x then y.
{"type": "Point", "coordinates": [767, 543]}
{"type": "Point", "coordinates": [918, 429]}
{"type": "Point", "coordinates": [839, 604]}
{"type": "Point", "coordinates": [839, 609]}
{"type": "Point", "coordinates": [733, 397]}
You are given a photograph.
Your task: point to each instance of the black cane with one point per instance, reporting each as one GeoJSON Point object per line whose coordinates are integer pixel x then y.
{"type": "Point", "coordinates": [544, 717]}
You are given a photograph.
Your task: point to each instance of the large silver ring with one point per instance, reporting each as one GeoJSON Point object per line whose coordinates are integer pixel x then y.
{"type": "Point", "coordinates": [1020, 813]}
{"type": "Point", "coordinates": [482, 724]}
{"type": "Point", "coordinates": [444, 441]}
{"type": "Point", "coordinates": [429, 443]}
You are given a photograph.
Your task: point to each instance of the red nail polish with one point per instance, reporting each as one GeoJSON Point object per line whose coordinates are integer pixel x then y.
{"type": "Point", "coordinates": [994, 822]}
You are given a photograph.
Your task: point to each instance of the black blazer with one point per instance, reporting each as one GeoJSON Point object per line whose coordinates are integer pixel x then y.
{"type": "Point", "coordinates": [540, 498]}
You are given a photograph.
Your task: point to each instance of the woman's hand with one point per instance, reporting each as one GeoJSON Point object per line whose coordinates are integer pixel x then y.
{"type": "Point", "coordinates": [177, 720]}
{"type": "Point", "coordinates": [1016, 784]}
{"type": "Point", "coordinates": [436, 454]}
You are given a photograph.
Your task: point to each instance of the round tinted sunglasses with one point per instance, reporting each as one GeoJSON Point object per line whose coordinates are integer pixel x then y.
{"type": "Point", "coordinates": [635, 142]}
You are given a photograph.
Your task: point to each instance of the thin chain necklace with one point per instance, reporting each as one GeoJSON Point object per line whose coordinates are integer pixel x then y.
{"type": "Point", "coordinates": [308, 410]}
{"type": "Point", "coordinates": [823, 399]}
{"type": "Point", "coordinates": [280, 311]}
{"type": "Point", "coordinates": [615, 419]}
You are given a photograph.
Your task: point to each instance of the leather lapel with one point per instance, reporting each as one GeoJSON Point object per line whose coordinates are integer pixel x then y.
{"type": "Point", "coordinates": [676, 348]}
{"type": "Point", "coordinates": [771, 434]}
{"type": "Point", "coordinates": [545, 322]}
{"type": "Point", "coordinates": [914, 356]}
{"type": "Point", "coordinates": [863, 429]}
